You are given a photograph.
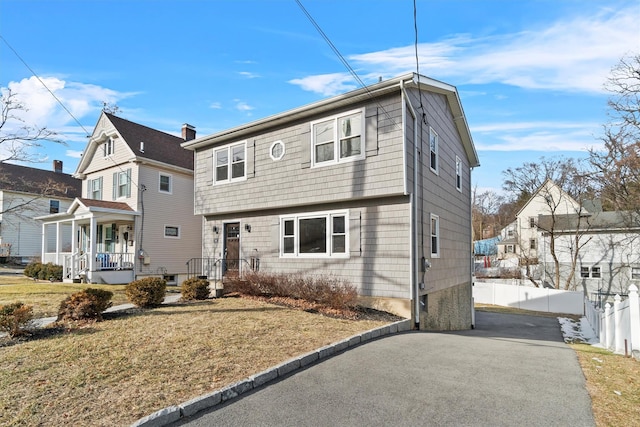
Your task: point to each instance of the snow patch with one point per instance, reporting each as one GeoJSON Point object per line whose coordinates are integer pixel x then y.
{"type": "Point", "coordinates": [580, 331]}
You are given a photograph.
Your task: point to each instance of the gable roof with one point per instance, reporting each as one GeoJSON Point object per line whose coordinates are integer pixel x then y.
{"type": "Point", "coordinates": [547, 185]}
{"type": "Point", "coordinates": [40, 182]}
{"type": "Point", "coordinates": [612, 221]}
{"type": "Point", "coordinates": [373, 91]}
{"type": "Point", "coordinates": [158, 145]}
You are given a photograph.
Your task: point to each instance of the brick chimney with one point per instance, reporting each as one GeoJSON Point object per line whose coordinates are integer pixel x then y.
{"type": "Point", "coordinates": [57, 166]}
{"type": "Point", "coordinates": [188, 132]}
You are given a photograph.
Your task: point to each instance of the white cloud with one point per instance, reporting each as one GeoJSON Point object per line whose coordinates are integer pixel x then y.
{"type": "Point", "coordinates": [43, 110]}
{"type": "Point", "coordinates": [326, 84]}
{"type": "Point", "coordinates": [573, 54]}
{"type": "Point", "coordinates": [242, 106]}
{"type": "Point", "coordinates": [215, 105]}
{"type": "Point", "coordinates": [249, 75]}
{"type": "Point", "coordinates": [75, 154]}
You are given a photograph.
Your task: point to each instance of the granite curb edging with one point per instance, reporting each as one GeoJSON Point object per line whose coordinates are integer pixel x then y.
{"type": "Point", "coordinates": [207, 401]}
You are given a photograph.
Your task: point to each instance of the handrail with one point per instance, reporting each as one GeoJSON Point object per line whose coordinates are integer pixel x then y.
{"type": "Point", "coordinates": [216, 268]}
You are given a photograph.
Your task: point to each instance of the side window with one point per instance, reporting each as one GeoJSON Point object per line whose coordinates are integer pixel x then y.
{"type": "Point", "coordinates": [433, 150]}
{"type": "Point", "coordinates": [54, 206]}
{"type": "Point", "coordinates": [122, 184]}
{"type": "Point", "coordinates": [172, 231]}
{"type": "Point", "coordinates": [338, 139]}
{"type": "Point", "coordinates": [635, 273]}
{"type": "Point", "coordinates": [458, 174]}
{"type": "Point", "coordinates": [165, 185]}
{"type": "Point", "coordinates": [229, 163]}
{"type": "Point", "coordinates": [94, 189]}
{"type": "Point", "coordinates": [435, 236]}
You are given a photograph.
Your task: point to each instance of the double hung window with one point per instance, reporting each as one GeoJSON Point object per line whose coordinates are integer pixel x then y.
{"type": "Point", "coordinates": [165, 183]}
{"type": "Point", "coordinates": [435, 236]}
{"type": "Point", "coordinates": [108, 148]}
{"type": "Point", "coordinates": [315, 235]}
{"type": "Point", "coordinates": [122, 184]}
{"type": "Point", "coordinates": [338, 139]}
{"type": "Point", "coordinates": [54, 206]}
{"type": "Point", "coordinates": [433, 150]}
{"type": "Point", "coordinates": [94, 190]}
{"type": "Point", "coordinates": [229, 163]}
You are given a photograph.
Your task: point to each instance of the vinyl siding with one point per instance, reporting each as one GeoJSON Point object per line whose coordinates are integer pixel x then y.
{"type": "Point", "coordinates": [19, 228]}
{"type": "Point", "coordinates": [176, 209]}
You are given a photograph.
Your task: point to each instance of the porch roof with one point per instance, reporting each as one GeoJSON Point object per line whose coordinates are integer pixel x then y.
{"type": "Point", "coordinates": [83, 206]}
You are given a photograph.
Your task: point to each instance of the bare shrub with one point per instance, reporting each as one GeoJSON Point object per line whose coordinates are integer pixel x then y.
{"type": "Point", "coordinates": [14, 318]}
{"type": "Point", "coordinates": [195, 288]}
{"type": "Point", "coordinates": [327, 290]}
{"type": "Point", "coordinates": [84, 305]}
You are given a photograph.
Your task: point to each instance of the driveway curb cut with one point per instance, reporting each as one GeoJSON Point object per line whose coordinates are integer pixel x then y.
{"type": "Point", "coordinates": [189, 408]}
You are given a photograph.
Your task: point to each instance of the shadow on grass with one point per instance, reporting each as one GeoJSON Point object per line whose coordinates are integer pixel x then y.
{"type": "Point", "coordinates": [48, 332]}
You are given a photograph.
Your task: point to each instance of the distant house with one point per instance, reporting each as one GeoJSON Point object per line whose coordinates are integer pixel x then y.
{"type": "Point", "coordinates": [596, 251]}
{"type": "Point", "coordinates": [520, 239]}
{"type": "Point", "coordinates": [608, 256]}
{"type": "Point", "coordinates": [372, 186]}
{"type": "Point", "coordinates": [135, 217]}
{"type": "Point", "coordinates": [26, 193]}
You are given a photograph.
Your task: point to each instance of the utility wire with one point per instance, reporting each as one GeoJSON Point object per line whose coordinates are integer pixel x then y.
{"type": "Point", "coordinates": [43, 84]}
{"type": "Point", "coordinates": [415, 28]}
{"type": "Point", "coordinates": [343, 60]}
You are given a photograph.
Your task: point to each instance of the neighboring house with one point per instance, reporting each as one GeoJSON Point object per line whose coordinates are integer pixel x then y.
{"type": "Point", "coordinates": [608, 256]}
{"type": "Point", "coordinates": [26, 193]}
{"type": "Point", "coordinates": [520, 239]}
{"type": "Point", "coordinates": [372, 186]}
{"type": "Point", "coordinates": [136, 216]}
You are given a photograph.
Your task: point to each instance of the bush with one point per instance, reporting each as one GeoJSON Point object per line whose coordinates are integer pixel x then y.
{"type": "Point", "coordinates": [14, 318]}
{"type": "Point", "coordinates": [48, 271]}
{"type": "Point", "coordinates": [147, 292]}
{"type": "Point", "coordinates": [326, 290]}
{"type": "Point", "coordinates": [195, 288]}
{"type": "Point", "coordinates": [86, 304]}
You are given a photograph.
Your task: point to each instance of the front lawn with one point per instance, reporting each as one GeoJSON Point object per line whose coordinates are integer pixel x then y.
{"type": "Point", "coordinates": [117, 371]}
{"type": "Point", "coordinates": [44, 296]}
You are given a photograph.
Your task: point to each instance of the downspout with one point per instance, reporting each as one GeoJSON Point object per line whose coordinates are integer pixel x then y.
{"type": "Point", "coordinates": [413, 201]}
{"type": "Point", "coordinates": [472, 257]}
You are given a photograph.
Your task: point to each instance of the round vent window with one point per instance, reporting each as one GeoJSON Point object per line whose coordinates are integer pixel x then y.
{"type": "Point", "coordinates": [277, 150]}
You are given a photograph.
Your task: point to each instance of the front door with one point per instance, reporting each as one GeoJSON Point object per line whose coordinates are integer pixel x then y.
{"type": "Point", "coordinates": [231, 249]}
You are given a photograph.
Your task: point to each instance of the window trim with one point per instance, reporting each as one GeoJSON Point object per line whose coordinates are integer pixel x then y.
{"type": "Point", "coordinates": [178, 229]}
{"type": "Point", "coordinates": [336, 139]}
{"type": "Point", "coordinates": [51, 207]}
{"type": "Point", "coordinates": [434, 154]}
{"type": "Point", "coordinates": [533, 244]}
{"type": "Point", "coordinates": [458, 174]}
{"type": "Point", "coordinates": [108, 147]}
{"type": "Point", "coordinates": [284, 149]}
{"type": "Point", "coordinates": [636, 274]}
{"type": "Point", "coordinates": [92, 192]}
{"type": "Point", "coordinates": [170, 176]}
{"type": "Point", "coordinates": [436, 235]}
{"type": "Point", "coordinates": [229, 149]}
{"type": "Point", "coordinates": [329, 234]}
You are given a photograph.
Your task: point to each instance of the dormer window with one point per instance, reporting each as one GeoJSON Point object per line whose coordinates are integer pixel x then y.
{"type": "Point", "coordinates": [108, 148]}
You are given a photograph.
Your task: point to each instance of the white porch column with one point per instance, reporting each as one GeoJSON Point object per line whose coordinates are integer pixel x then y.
{"type": "Point", "coordinates": [634, 318]}
{"type": "Point", "coordinates": [92, 243]}
{"type": "Point", "coordinates": [43, 250]}
{"type": "Point", "coordinates": [58, 242]}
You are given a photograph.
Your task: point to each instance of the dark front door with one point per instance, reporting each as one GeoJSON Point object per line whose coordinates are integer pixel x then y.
{"type": "Point", "coordinates": [231, 249]}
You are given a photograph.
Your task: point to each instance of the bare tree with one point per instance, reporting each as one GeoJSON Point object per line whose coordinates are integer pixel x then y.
{"type": "Point", "coordinates": [560, 186]}
{"type": "Point", "coordinates": [484, 212]}
{"type": "Point", "coordinates": [19, 142]}
{"type": "Point", "coordinates": [618, 166]}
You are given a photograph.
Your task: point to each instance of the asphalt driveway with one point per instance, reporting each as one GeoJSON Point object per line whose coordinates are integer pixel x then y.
{"type": "Point", "coordinates": [512, 370]}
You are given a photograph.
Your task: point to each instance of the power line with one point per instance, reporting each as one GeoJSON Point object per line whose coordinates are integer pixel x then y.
{"type": "Point", "coordinates": [415, 28]}
{"type": "Point", "coordinates": [343, 60]}
{"type": "Point", "coordinates": [43, 84]}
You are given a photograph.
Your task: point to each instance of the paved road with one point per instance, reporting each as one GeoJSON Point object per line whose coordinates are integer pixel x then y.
{"type": "Point", "coordinates": [512, 370]}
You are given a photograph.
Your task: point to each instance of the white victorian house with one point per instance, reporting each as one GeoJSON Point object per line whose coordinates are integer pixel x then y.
{"type": "Point", "coordinates": [135, 218]}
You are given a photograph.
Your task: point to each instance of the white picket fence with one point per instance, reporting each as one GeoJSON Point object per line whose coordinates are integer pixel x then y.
{"type": "Point", "coordinates": [529, 298]}
{"type": "Point", "coordinates": [618, 325]}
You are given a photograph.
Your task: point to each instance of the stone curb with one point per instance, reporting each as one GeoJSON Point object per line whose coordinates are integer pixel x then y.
{"type": "Point", "coordinates": [191, 407]}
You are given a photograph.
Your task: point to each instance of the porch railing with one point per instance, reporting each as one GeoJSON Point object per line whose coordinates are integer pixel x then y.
{"type": "Point", "coordinates": [217, 268]}
{"type": "Point", "coordinates": [115, 261]}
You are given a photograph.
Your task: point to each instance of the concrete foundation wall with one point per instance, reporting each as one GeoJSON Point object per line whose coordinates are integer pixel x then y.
{"type": "Point", "coordinates": [447, 309]}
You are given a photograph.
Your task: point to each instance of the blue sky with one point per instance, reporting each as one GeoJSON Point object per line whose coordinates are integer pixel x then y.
{"type": "Point", "coordinates": [530, 73]}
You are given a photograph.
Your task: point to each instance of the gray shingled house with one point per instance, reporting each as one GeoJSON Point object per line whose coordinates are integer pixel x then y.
{"type": "Point", "coordinates": [372, 186]}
